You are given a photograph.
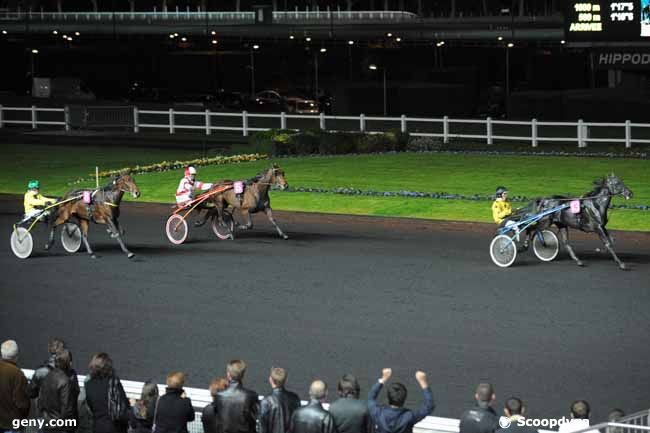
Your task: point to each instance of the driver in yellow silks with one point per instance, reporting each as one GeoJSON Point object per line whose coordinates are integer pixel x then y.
{"type": "Point", "coordinates": [501, 208]}
{"type": "Point", "coordinates": [34, 201]}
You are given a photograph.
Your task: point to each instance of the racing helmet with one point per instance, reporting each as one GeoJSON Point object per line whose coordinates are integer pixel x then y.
{"type": "Point", "coordinates": [189, 171]}
{"type": "Point", "coordinates": [500, 191]}
{"type": "Point", "coordinates": [34, 184]}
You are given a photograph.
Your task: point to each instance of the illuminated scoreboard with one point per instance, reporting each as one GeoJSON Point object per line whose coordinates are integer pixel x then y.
{"type": "Point", "coordinates": [600, 20]}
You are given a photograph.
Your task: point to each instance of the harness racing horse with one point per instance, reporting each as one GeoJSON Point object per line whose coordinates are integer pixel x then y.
{"type": "Point", "coordinates": [255, 199]}
{"type": "Point", "coordinates": [592, 217]}
{"type": "Point", "coordinates": [105, 209]}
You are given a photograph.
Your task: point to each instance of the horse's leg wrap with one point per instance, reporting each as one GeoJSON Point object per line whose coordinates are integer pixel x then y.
{"type": "Point", "coordinates": [84, 237]}
{"type": "Point", "coordinates": [50, 239]}
{"type": "Point", "coordinates": [249, 222]}
{"type": "Point", "coordinates": [564, 238]}
{"type": "Point", "coordinates": [604, 236]}
{"type": "Point", "coordinates": [269, 214]}
{"type": "Point", "coordinates": [111, 224]}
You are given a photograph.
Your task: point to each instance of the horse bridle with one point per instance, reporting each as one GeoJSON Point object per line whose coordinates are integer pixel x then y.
{"type": "Point", "coordinates": [121, 189]}
{"type": "Point", "coordinates": [274, 169]}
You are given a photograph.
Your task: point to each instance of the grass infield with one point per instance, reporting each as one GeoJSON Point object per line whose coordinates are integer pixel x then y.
{"type": "Point", "coordinates": [531, 176]}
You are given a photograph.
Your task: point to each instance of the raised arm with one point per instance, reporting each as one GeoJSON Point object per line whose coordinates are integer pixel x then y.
{"type": "Point", "coordinates": [373, 407]}
{"type": "Point", "coordinates": [427, 405]}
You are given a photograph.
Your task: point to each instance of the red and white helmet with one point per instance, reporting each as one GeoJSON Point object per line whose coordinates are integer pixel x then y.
{"type": "Point", "coordinates": [189, 171]}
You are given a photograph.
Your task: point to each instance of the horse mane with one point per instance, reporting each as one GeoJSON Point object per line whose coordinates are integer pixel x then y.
{"type": "Point", "coordinates": [110, 185]}
{"type": "Point", "coordinates": [600, 182]}
{"type": "Point", "coordinates": [598, 185]}
{"type": "Point", "coordinates": [258, 176]}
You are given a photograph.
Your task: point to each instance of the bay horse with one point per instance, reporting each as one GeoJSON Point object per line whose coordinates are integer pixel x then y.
{"type": "Point", "coordinates": [105, 209]}
{"type": "Point", "coordinates": [255, 199]}
{"type": "Point", "coordinates": [593, 214]}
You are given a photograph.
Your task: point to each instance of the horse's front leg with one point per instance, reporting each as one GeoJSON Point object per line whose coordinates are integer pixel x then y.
{"type": "Point", "coordinates": [113, 226]}
{"type": "Point", "coordinates": [269, 214]}
{"type": "Point", "coordinates": [604, 236]}
{"type": "Point", "coordinates": [564, 238]}
{"type": "Point", "coordinates": [83, 224]}
{"type": "Point", "coordinates": [120, 229]}
{"type": "Point", "coordinates": [247, 217]}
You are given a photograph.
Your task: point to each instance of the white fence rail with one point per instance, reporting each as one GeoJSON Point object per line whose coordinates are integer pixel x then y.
{"type": "Point", "coordinates": [446, 128]}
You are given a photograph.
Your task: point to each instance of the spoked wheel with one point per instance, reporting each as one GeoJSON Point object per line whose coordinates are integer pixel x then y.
{"type": "Point", "coordinates": [71, 237]}
{"type": "Point", "coordinates": [22, 243]}
{"type": "Point", "coordinates": [546, 245]}
{"type": "Point", "coordinates": [503, 251]}
{"type": "Point", "coordinates": [224, 231]}
{"type": "Point", "coordinates": [176, 229]}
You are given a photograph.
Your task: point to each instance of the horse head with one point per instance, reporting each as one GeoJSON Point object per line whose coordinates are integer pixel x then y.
{"type": "Point", "coordinates": [277, 177]}
{"type": "Point", "coordinates": [617, 187]}
{"type": "Point", "coordinates": [124, 182]}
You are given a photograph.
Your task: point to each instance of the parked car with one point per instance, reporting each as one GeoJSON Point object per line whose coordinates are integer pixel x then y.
{"type": "Point", "coordinates": [140, 92]}
{"type": "Point", "coordinates": [300, 105]}
{"type": "Point", "coordinates": [228, 100]}
{"type": "Point", "coordinates": [269, 100]}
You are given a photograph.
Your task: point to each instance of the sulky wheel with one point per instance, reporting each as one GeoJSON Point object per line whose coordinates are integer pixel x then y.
{"type": "Point", "coordinates": [71, 237]}
{"type": "Point", "coordinates": [503, 251]}
{"type": "Point", "coordinates": [176, 229]}
{"type": "Point", "coordinates": [22, 243]}
{"type": "Point", "coordinates": [225, 231]}
{"type": "Point", "coordinates": [546, 245]}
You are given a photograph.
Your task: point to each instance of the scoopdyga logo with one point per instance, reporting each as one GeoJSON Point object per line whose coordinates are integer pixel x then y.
{"type": "Point", "coordinates": [504, 422]}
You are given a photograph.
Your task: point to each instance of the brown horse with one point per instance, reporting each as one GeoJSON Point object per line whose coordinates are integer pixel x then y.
{"type": "Point", "coordinates": [255, 199]}
{"type": "Point", "coordinates": [105, 209]}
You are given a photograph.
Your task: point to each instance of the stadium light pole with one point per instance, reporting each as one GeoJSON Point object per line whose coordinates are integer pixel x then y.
{"type": "Point", "coordinates": [383, 69]}
{"type": "Point", "coordinates": [32, 59]}
{"type": "Point", "coordinates": [508, 46]}
{"type": "Point", "coordinates": [323, 50]}
{"type": "Point", "coordinates": [253, 49]}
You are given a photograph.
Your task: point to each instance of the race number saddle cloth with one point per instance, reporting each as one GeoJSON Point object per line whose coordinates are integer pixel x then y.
{"type": "Point", "coordinates": [575, 206]}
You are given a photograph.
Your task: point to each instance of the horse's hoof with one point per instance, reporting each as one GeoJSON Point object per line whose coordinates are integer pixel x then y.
{"type": "Point", "coordinates": [623, 266]}
{"type": "Point", "coordinates": [92, 256]}
{"type": "Point", "coordinates": [579, 263]}
{"type": "Point", "coordinates": [130, 255]}
{"type": "Point", "coordinates": [285, 237]}
{"type": "Point", "coordinates": [47, 247]}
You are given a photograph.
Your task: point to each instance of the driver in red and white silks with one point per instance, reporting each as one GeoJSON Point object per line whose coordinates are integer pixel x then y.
{"type": "Point", "coordinates": [187, 186]}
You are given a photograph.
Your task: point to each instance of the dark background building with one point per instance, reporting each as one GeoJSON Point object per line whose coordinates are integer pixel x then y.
{"type": "Point", "coordinates": [451, 57]}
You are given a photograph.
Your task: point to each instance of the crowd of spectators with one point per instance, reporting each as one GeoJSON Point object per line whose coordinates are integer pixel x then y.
{"type": "Point", "coordinates": [102, 406]}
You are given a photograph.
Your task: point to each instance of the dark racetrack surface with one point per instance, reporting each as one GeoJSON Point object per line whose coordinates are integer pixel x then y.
{"type": "Point", "coordinates": [344, 294]}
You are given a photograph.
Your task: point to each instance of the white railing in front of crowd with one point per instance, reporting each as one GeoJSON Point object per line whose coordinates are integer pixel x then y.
{"type": "Point", "coordinates": [641, 418]}
{"type": "Point", "coordinates": [205, 122]}
{"type": "Point", "coordinates": [201, 398]}
{"type": "Point", "coordinates": [613, 427]}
